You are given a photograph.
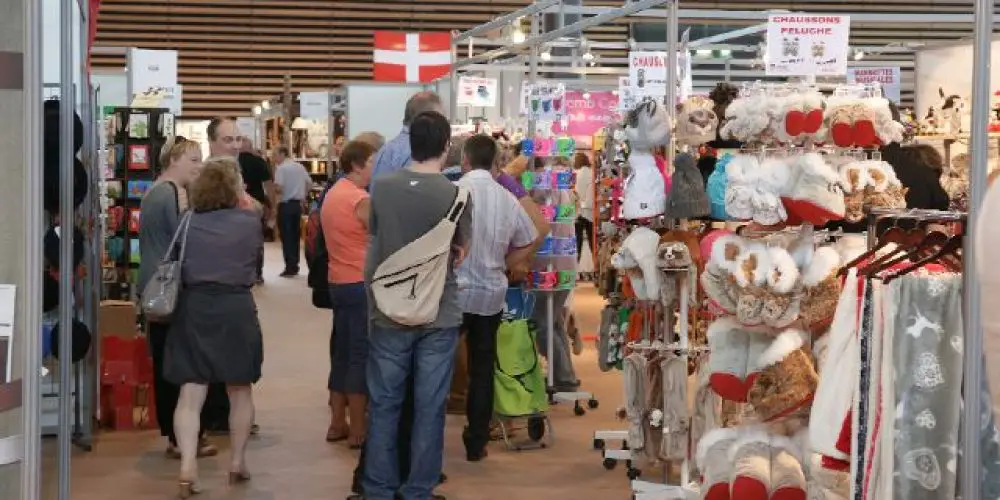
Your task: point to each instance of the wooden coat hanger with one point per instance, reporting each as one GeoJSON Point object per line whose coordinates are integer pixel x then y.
{"type": "Point", "coordinates": [894, 234]}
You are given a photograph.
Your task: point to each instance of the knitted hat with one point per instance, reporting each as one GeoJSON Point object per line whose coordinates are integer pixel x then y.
{"type": "Point", "coordinates": [644, 195]}
{"type": "Point", "coordinates": [638, 252]}
{"type": "Point", "coordinates": [687, 198]}
{"type": "Point", "coordinates": [716, 188]}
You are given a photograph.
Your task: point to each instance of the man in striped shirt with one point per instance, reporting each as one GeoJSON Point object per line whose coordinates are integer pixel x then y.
{"type": "Point", "coordinates": [501, 232]}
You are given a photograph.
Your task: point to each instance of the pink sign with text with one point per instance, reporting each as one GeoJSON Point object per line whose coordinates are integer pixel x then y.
{"type": "Point", "coordinates": [584, 117]}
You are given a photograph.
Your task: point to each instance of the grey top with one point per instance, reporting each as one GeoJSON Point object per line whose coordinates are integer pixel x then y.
{"type": "Point", "coordinates": [223, 247]}
{"type": "Point", "coordinates": [407, 205]}
{"type": "Point", "coordinates": [160, 216]}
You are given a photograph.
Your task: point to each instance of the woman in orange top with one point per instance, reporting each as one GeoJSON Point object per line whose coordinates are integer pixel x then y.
{"type": "Point", "coordinates": [344, 219]}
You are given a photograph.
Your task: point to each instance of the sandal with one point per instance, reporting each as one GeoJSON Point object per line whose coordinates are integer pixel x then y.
{"type": "Point", "coordinates": [238, 477]}
{"type": "Point", "coordinates": [205, 449]}
{"type": "Point", "coordinates": [187, 488]}
{"type": "Point", "coordinates": [333, 436]}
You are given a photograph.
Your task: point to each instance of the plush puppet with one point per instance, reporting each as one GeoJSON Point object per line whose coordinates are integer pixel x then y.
{"type": "Point", "coordinates": [647, 126]}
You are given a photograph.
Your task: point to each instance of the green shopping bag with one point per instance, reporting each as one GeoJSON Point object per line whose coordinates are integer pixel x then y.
{"type": "Point", "coordinates": [519, 384]}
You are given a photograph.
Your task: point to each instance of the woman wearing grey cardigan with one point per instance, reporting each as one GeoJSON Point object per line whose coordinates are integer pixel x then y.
{"type": "Point", "coordinates": [215, 335]}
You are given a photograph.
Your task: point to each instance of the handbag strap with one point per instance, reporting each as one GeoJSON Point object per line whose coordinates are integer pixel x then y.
{"type": "Point", "coordinates": [179, 234]}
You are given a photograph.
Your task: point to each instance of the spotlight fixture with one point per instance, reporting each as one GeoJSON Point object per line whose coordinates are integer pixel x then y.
{"type": "Point", "coordinates": [516, 35]}
{"type": "Point", "coordinates": [587, 56]}
{"type": "Point", "coordinates": [859, 55]}
{"type": "Point", "coordinates": [704, 53]}
{"type": "Point", "coordinates": [265, 104]}
{"type": "Point", "coordinates": [256, 110]}
{"type": "Point", "coordinates": [725, 52]}
{"type": "Point", "coordinates": [546, 54]}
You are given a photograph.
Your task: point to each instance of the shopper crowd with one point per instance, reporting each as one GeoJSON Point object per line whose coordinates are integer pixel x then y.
{"type": "Point", "coordinates": [390, 225]}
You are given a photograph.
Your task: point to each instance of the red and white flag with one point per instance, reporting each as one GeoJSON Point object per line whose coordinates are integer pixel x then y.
{"type": "Point", "coordinates": [411, 57]}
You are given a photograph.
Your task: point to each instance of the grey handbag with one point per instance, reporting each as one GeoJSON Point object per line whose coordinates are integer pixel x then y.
{"type": "Point", "coordinates": [159, 298]}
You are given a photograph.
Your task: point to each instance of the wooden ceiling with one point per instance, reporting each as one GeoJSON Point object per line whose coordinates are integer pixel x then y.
{"type": "Point", "coordinates": [235, 53]}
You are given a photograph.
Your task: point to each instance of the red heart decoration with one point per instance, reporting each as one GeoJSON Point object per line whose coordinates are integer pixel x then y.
{"type": "Point", "coordinates": [842, 134]}
{"type": "Point", "coordinates": [794, 122]}
{"type": "Point", "coordinates": [749, 488]}
{"type": "Point", "coordinates": [813, 121]}
{"type": "Point", "coordinates": [718, 491]}
{"type": "Point", "coordinates": [864, 133]}
{"type": "Point", "coordinates": [729, 386]}
{"type": "Point", "coordinates": [789, 493]}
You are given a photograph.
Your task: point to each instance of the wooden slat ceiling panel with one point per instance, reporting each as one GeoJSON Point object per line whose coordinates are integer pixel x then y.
{"type": "Point", "coordinates": [234, 53]}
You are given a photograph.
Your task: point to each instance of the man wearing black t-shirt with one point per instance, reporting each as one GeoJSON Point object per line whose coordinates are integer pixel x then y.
{"type": "Point", "coordinates": [257, 177]}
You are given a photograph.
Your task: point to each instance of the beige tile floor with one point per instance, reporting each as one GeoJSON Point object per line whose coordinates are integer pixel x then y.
{"type": "Point", "coordinates": [291, 461]}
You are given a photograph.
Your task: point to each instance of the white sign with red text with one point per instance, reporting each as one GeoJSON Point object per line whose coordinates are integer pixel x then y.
{"type": "Point", "coordinates": [476, 91]}
{"type": "Point", "coordinates": [807, 45]}
{"type": "Point", "coordinates": [647, 74]}
{"type": "Point", "coordinates": [888, 76]}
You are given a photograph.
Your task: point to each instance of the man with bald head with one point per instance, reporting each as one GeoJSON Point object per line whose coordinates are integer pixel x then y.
{"type": "Point", "coordinates": [396, 153]}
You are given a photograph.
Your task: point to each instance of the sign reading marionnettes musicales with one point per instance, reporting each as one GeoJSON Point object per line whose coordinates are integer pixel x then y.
{"type": "Point", "coordinates": [807, 45]}
{"type": "Point", "coordinates": [411, 57]}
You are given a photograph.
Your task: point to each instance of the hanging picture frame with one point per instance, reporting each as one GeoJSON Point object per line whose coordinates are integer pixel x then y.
{"type": "Point", "coordinates": [138, 188]}
{"type": "Point", "coordinates": [134, 220]}
{"type": "Point", "coordinates": [138, 125]}
{"type": "Point", "coordinates": [138, 157]}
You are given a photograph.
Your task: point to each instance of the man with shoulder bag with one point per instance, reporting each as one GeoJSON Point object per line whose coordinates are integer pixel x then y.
{"type": "Point", "coordinates": [420, 227]}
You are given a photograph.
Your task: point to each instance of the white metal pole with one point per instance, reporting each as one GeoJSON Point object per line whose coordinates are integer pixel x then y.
{"type": "Point", "coordinates": [978, 147]}
{"type": "Point", "coordinates": [66, 113]}
{"type": "Point", "coordinates": [672, 46]}
{"type": "Point", "coordinates": [684, 345]}
{"type": "Point", "coordinates": [31, 464]}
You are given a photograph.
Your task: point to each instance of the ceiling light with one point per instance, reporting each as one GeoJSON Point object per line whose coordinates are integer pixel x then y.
{"type": "Point", "coordinates": [859, 55]}
{"type": "Point", "coordinates": [256, 110]}
{"type": "Point", "coordinates": [725, 52]}
{"type": "Point", "coordinates": [546, 55]}
{"type": "Point", "coordinates": [587, 56]}
{"type": "Point", "coordinates": [517, 36]}
{"type": "Point", "coordinates": [586, 96]}
{"type": "Point", "coordinates": [265, 104]}
{"type": "Point", "coordinates": [704, 53]}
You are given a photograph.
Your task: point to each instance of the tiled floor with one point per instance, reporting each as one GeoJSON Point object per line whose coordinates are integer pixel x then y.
{"type": "Point", "coordinates": [291, 461]}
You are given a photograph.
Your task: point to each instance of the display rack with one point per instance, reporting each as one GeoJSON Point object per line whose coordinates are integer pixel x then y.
{"type": "Point", "coordinates": [137, 138]}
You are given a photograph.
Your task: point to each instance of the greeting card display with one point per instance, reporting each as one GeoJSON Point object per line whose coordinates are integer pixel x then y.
{"type": "Point", "coordinates": [114, 189]}
{"type": "Point", "coordinates": [133, 221]}
{"type": "Point", "coordinates": [116, 218]}
{"type": "Point", "coordinates": [138, 157]}
{"type": "Point", "coordinates": [136, 189]}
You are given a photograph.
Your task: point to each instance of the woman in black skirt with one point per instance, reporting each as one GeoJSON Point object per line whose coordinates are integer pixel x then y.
{"type": "Point", "coordinates": [215, 335]}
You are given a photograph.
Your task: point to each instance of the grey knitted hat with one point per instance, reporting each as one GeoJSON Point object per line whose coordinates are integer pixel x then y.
{"type": "Point", "coordinates": [687, 198]}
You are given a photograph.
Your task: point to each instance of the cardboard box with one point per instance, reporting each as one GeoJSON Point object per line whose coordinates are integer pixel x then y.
{"type": "Point", "coordinates": [117, 318]}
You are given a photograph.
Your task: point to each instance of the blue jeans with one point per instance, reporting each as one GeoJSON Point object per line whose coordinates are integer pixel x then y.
{"type": "Point", "coordinates": [394, 355]}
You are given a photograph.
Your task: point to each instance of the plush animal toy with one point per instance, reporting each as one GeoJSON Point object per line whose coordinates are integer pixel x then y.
{"type": "Point", "coordinates": [952, 110]}
{"type": "Point", "coordinates": [647, 126]}
{"type": "Point", "coordinates": [696, 122]}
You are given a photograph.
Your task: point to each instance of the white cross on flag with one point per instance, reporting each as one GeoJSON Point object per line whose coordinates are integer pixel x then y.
{"type": "Point", "coordinates": [411, 57]}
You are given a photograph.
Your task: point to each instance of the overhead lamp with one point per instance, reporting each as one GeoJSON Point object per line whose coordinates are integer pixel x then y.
{"type": "Point", "coordinates": [704, 53]}
{"type": "Point", "coordinates": [725, 52]}
{"type": "Point", "coordinates": [587, 56]}
{"type": "Point", "coordinates": [516, 35]}
{"type": "Point", "coordinates": [546, 54]}
{"type": "Point", "coordinates": [257, 110]}
{"type": "Point", "coordinates": [265, 104]}
{"type": "Point", "coordinates": [859, 55]}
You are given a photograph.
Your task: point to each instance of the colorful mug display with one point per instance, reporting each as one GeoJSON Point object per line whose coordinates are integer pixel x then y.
{"type": "Point", "coordinates": [563, 212]}
{"type": "Point", "coordinates": [563, 146]}
{"type": "Point", "coordinates": [552, 280]}
{"type": "Point", "coordinates": [558, 247]}
{"type": "Point", "coordinates": [137, 189]}
{"type": "Point", "coordinates": [548, 179]}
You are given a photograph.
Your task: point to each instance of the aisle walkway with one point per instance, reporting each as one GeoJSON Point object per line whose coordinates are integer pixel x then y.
{"type": "Point", "coordinates": [291, 461]}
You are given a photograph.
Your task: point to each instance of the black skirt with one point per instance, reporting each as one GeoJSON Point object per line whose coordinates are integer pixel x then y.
{"type": "Point", "coordinates": [215, 336]}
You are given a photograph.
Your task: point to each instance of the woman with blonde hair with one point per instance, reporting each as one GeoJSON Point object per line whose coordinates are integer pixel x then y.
{"type": "Point", "coordinates": [215, 336]}
{"type": "Point", "coordinates": [161, 209]}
